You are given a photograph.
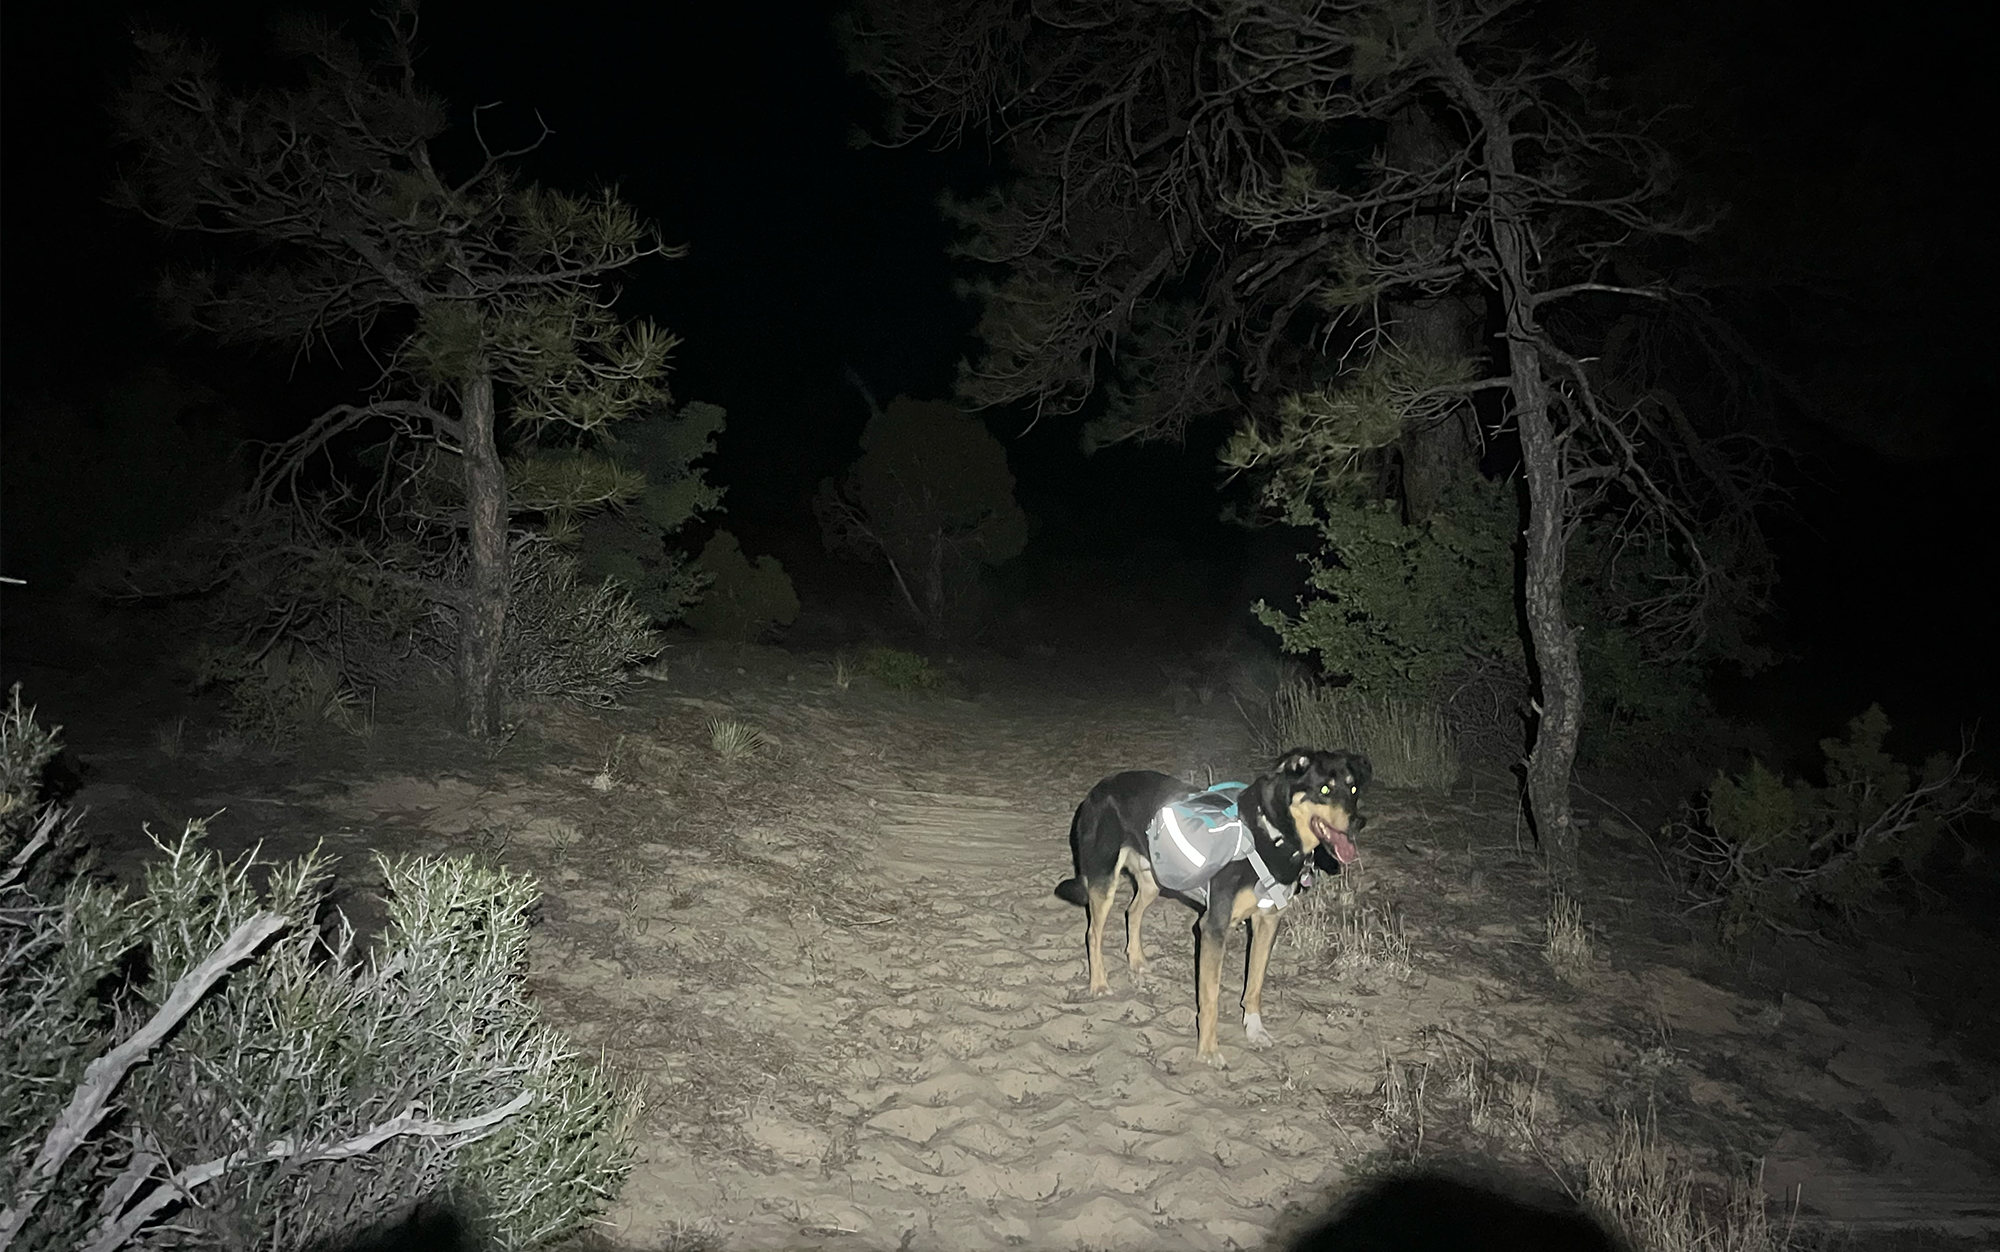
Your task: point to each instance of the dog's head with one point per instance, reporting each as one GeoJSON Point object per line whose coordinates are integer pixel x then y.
{"type": "Point", "coordinates": [1320, 792]}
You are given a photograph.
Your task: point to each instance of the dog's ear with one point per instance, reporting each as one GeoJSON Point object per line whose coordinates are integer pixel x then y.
{"type": "Point", "coordinates": [1361, 769]}
{"type": "Point", "coordinates": [1295, 763]}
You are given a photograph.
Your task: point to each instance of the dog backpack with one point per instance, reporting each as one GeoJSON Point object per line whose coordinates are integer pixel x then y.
{"type": "Point", "coordinates": [1192, 838]}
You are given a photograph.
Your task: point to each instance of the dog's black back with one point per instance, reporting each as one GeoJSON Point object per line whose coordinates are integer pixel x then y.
{"type": "Point", "coordinates": [1114, 815]}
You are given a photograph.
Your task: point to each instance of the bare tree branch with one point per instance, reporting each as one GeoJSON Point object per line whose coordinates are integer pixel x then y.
{"type": "Point", "coordinates": [92, 1099]}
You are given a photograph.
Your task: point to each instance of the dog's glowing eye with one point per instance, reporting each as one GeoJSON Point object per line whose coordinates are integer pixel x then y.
{"type": "Point", "coordinates": [1325, 789]}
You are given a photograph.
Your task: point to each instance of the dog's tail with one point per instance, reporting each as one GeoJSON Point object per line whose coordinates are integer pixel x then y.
{"type": "Point", "coordinates": [1072, 889]}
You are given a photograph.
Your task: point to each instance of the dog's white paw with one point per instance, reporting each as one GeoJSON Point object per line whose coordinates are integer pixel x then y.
{"type": "Point", "coordinates": [1253, 1030]}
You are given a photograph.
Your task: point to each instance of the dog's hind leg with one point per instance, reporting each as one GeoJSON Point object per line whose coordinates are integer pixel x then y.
{"type": "Point", "coordinates": [1263, 931]}
{"type": "Point", "coordinates": [1145, 890]}
{"type": "Point", "coordinates": [1098, 893]}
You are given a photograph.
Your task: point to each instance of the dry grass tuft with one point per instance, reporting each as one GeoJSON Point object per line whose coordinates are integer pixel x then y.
{"type": "Point", "coordinates": [1400, 1095]}
{"type": "Point", "coordinates": [1655, 1203]}
{"type": "Point", "coordinates": [169, 738]}
{"type": "Point", "coordinates": [1408, 741]}
{"type": "Point", "coordinates": [1363, 941]}
{"type": "Point", "coordinates": [1568, 950]}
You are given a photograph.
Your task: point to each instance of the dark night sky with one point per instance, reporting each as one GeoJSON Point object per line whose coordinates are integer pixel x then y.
{"type": "Point", "coordinates": [727, 124]}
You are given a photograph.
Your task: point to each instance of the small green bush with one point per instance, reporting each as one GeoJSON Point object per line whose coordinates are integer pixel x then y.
{"type": "Point", "coordinates": [744, 600]}
{"type": "Point", "coordinates": [1764, 853]}
{"type": "Point", "coordinates": [1645, 689]}
{"type": "Point", "coordinates": [1400, 609]}
{"type": "Point", "coordinates": [208, 1064]}
{"type": "Point", "coordinates": [633, 543]}
{"type": "Point", "coordinates": [900, 670]}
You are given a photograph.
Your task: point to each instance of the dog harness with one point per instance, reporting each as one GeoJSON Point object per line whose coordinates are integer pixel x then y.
{"type": "Point", "coordinates": [1191, 839]}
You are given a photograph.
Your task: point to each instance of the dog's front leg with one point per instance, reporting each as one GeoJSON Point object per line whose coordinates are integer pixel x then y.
{"type": "Point", "coordinates": [1211, 933]}
{"type": "Point", "coordinates": [1263, 931]}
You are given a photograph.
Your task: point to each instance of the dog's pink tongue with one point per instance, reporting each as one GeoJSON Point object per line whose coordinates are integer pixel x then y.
{"type": "Point", "coordinates": [1343, 847]}
{"type": "Point", "coordinates": [1344, 850]}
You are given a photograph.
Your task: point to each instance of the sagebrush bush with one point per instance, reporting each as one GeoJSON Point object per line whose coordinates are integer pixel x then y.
{"type": "Point", "coordinates": [206, 1064]}
{"type": "Point", "coordinates": [1765, 853]}
{"type": "Point", "coordinates": [569, 638]}
{"type": "Point", "coordinates": [58, 941]}
{"type": "Point", "coordinates": [744, 600]}
{"type": "Point", "coordinates": [1407, 740]}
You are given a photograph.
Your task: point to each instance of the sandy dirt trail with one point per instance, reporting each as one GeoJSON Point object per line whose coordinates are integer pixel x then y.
{"type": "Point", "coordinates": [935, 1079]}
{"type": "Point", "coordinates": [837, 974]}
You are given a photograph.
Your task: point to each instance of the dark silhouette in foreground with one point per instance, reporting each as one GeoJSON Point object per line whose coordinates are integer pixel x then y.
{"type": "Point", "coordinates": [1417, 1213]}
{"type": "Point", "coordinates": [1409, 1213]}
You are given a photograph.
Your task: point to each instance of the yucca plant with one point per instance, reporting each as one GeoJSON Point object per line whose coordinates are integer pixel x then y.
{"type": "Point", "coordinates": [734, 740]}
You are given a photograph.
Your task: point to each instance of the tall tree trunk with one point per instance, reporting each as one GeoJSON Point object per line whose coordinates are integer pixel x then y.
{"type": "Point", "coordinates": [1557, 666]}
{"type": "Point", "coordinates": [1436, 455]}
{"type": "Point", "coordinates": [482, 621]}
{"type": "Point", "coordinates": [1440, 453]}
{"type": "Point", "coordinates": [1558, 670]}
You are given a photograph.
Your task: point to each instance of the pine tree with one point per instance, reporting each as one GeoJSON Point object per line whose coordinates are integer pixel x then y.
{"type": "Point", "coordinates": [486, 298]}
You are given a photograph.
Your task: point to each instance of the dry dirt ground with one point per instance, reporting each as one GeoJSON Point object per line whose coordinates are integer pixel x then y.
{"type": "Point", "coordinates": [837, 973]}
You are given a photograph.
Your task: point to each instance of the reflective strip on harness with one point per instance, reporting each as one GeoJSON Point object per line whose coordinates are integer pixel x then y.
{"type": "Point", "coordinates": [1173, 829]}
{"type": "Point", "coordinates": [1194, 836]}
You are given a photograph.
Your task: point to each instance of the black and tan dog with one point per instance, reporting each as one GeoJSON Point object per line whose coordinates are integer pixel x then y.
{"type": "Point", "coordinates": [1303, 811]}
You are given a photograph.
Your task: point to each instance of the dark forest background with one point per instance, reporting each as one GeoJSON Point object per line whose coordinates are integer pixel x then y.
{"type": "Point", "coordinates": [1851, 155]}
